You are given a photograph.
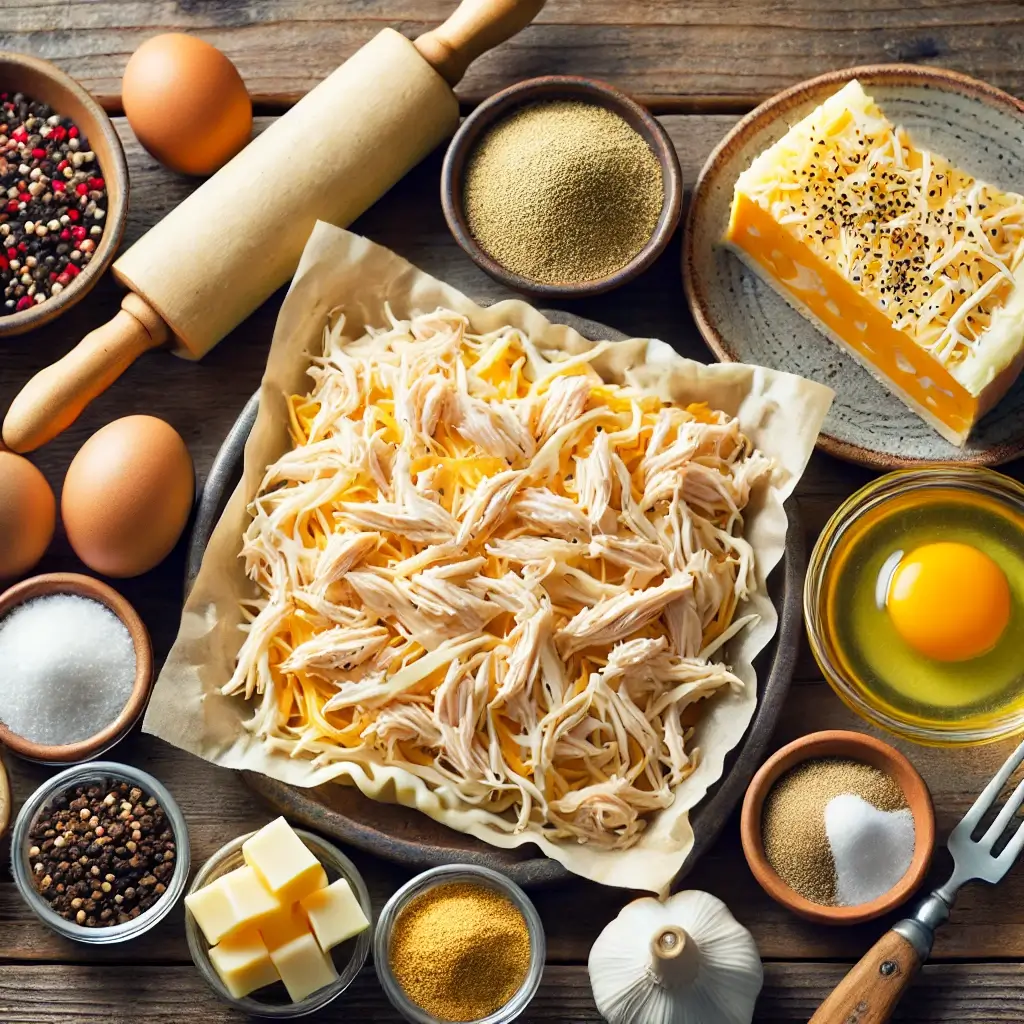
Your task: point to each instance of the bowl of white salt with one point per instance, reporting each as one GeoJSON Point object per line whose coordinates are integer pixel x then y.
{"type": "Point", "coordinates": [76, 667]}
{"type": "Point", "coordinates": [838, 827]}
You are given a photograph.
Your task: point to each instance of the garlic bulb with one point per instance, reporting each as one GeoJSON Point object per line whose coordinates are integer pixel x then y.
{"type": "Point", "coordinates": [684, 961]}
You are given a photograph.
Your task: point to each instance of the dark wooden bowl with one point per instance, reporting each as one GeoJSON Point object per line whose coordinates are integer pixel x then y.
{"type": "Point", "coordinates": [43, 81]}
{"type": "Point", "coordinates": [857, 747]}
{"type": "Point", "coordinates": [84, 586]}
{"type": "Point", "coordinates": [560, 87]}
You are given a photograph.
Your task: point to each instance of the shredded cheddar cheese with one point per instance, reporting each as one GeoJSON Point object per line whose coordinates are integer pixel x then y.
{"type": "Point", "coordinates": [485, 564]}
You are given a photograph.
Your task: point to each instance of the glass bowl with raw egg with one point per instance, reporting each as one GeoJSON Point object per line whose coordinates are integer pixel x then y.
{"type": "Point", "coordinates": [914, 601]}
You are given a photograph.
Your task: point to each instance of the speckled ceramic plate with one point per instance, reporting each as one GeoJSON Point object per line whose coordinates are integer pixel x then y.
{"type": "Point", "coordinates": [410, 838]}
{"type": "Point", "coordinates": [974, 126]}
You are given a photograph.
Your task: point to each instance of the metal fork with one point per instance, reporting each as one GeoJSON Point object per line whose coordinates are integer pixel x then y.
{"type": "Point", "coordinates": [870, 992]}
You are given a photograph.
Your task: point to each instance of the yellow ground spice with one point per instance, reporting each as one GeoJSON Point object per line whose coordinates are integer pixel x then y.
{"type": "Point", "coordinates": [793, 819]}
{"type": "Point", "coordinates": [460, 951]}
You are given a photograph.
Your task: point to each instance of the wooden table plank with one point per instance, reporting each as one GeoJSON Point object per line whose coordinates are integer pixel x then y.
{"type": "Point", "coordinates": [203, 399]}
{"type": "Point", "coordinates": [56, 994]}
{"type": "Point", "coordinates": [695, 55]}
{"type": "Point", "coordinates": [987, 922]}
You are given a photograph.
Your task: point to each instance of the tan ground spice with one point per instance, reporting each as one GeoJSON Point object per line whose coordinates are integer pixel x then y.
{"type": "Point", "coordinates": [563, 192]}
{"type": "Point", "coordinates": [460, 951]}
{"type": "Point", "coordinates": [793, 819]}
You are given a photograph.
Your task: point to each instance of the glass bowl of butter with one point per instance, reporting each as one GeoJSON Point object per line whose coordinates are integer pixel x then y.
{"type": "Point", "coordinates": [278, 922]}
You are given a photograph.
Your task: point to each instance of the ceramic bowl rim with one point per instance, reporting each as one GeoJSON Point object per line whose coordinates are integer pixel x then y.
{"type": "Point", "coordinates": [553, 87]}
{"type": "Point", "coordinates": [856, 746]}
{"type": "Point", "coordinates": [49, 585]}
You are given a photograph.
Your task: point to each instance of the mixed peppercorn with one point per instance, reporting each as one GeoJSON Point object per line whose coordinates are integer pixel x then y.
{"type": "Point", "coordinates": [53, 202]}
{"type": "Point", "coordinates": [102, 855]}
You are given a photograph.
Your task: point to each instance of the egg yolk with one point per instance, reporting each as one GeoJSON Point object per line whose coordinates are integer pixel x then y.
{"type": "Point", "coordinates": [949, 601]}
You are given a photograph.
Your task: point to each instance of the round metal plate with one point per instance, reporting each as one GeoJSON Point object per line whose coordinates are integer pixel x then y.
{"type": "Point", "coordinates": [408, 837]}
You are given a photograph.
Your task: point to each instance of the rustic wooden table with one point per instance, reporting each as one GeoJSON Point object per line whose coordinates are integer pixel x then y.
{"type": "Point", "coordinates": [699, 65]}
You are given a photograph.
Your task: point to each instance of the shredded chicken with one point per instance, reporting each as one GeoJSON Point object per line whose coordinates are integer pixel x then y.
{"type": "Point", "coordinates": [484, 564]}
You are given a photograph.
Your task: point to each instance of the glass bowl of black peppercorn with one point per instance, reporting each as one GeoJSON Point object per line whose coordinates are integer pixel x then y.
{"type": "Point", "coordinates": [100, 852]}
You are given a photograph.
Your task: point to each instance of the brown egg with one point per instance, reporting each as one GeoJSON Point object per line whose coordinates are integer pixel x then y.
{"type": "Point", "coordinates": [28, 513]}
{"type": "Point", "coordinates": [186, 102]}
{"type": "Point", "coordinates": [128, 495]}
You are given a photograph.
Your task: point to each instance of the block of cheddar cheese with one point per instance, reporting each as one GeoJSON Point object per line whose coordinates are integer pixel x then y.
{"type": "Point", "coordinates": [906, 262]}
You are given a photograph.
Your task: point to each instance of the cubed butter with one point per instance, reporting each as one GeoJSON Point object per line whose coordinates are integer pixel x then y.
{"type": "Point", "coordinates": [234, 901]}
{"type": "Point", "coordinates": [334, 914]}
{"type": "Point", "coordinates": [282, 927]}
{"type": "Point", "coordinates": [243, 963]}
{"type": "Point", "coordinates": [212, 910]}
{"type": "Point", "coordinates": [282, 861]}
{"type": "Point", "coordinates": [304, 967]}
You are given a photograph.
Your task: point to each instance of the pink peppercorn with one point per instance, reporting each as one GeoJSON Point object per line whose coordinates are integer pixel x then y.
{"type": "Point", "coordinates": [24, 302]}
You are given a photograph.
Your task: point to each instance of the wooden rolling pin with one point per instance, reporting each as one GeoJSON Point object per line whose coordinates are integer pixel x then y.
{"type": "Point", "coordinates": [228, 247]}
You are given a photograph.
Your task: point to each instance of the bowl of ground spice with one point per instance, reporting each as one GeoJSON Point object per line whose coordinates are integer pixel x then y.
{"type": "Point", "coordinates": [63, 192]}
{"type": "Point", "coordinates": [561, 187]}
{"type": "Point", "coordinates": [459, 943]}
{"type": "Point", "coordinates": [838, 827]}
{"type": "Point", "coordinates": [100, 853]}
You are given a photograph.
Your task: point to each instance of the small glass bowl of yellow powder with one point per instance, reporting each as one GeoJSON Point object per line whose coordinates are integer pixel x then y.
{"type": "Point", "coordinates": [459, 943]}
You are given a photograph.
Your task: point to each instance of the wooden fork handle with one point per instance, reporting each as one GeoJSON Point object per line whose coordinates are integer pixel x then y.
{"type": "Point", "coordinates": [870, 992]}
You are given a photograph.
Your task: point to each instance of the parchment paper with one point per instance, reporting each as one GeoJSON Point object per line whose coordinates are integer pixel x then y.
{"type": "Point", "coordinates": [781, 413]}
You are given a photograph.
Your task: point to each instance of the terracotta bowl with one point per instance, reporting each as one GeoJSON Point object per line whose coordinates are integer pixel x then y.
{"type": "Point", "coordinates": [43, 81]}
{"type": "Point", "coordinates": [84, 586]}
{"type": "Point", "coordinates": [856, 747]}
{"type": "Point", "coordinates": [560, 87]}
{"type": "Point", "coordinates": [5, 799]}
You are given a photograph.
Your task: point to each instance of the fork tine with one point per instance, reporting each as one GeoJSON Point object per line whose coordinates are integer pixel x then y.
{"type": "Point", "coordinates": [998, 827]}
{"type": "Point", "coordinates": [988, 795]}
{"type": "Point", "coordinates": [1012, 850]}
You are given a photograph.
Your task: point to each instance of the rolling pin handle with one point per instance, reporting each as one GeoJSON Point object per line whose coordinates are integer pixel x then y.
{"type": "Point", "coordinates": [54, 398]}
{"type": "Point", "coordinates": [473, 28]}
